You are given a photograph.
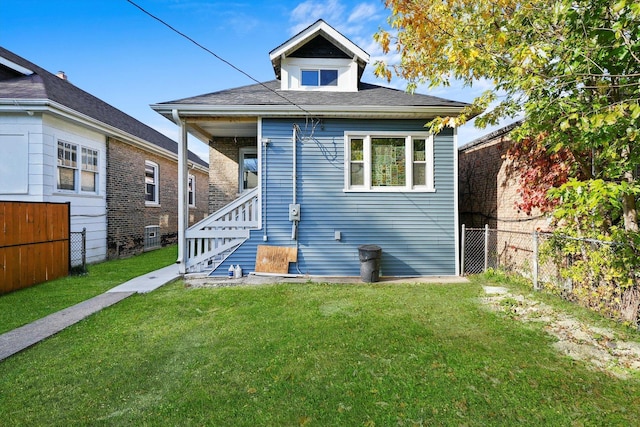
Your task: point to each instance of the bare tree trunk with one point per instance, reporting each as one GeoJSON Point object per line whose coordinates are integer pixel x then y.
{"type": "Point", "coordinates": [630, 304]}
{"type": "Point", "coordinates": [629, 212]}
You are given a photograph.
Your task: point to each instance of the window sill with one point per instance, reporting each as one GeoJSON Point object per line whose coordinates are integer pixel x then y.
{"type": "Point", "coordinates": [389, 190]}
{"type": "Point", "coordinates": [152, 205]}
{"type": "Point", "coordinates": [69, 193]}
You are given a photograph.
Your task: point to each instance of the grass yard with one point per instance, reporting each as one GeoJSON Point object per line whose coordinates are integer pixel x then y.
{"type": "Point", "coordinates": [26, 305]}
{"type": "Point", "coordinates": [308, 355]}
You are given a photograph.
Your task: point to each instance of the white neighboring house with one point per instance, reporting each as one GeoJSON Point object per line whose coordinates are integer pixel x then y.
{"type": "Point", "coordinates": [54, 141]}
{"type": "Point", "coordinates": [30, 169]}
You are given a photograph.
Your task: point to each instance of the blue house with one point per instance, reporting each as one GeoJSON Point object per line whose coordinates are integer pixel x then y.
{"type": "Point", "coordinates": [306, 168]}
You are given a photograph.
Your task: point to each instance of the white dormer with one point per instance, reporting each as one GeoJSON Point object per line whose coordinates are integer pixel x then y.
{"type": "Point", "coordinates": [319, 58]}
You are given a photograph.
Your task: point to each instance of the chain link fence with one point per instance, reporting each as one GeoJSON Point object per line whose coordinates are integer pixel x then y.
{"type": "Point", "coordinates": [78, 251]}
{"type": "Point", "coordinates": [512, 251]}
{"type": "Point", "coordinates": [590, 272]}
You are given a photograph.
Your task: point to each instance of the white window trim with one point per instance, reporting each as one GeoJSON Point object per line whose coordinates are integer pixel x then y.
{"type": "Point", "coordinates": [318, 72]}
{"type": "Point", "coordinates": [156, 175]}
{"type": "Point", "coordinates": [243, 152]}
{"type": "Point", "coordinates": [78, 169]}
{"type": "Point", "coordinates": [347, 74]}
{"type": "Point", "coordinates": [96, 172]}
{"type": "Point", "coordinates": [408, 187]}
{"type": "Point", "coordinates": [192, 180]}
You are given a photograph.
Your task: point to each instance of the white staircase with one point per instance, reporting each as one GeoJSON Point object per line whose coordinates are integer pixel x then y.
{"type": "Point", "coordinates": [212, 240]}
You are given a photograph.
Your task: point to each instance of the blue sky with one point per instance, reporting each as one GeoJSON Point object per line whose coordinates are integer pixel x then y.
{"type": "Point", "coordinates": [112, 50]}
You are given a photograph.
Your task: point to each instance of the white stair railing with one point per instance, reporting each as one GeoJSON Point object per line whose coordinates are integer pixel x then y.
{"type": "Point", "coordinates": [212, 240]}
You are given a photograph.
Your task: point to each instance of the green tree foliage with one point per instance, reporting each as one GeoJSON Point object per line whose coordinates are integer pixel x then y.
{"type": "Point", "coordinates": [571, 66]}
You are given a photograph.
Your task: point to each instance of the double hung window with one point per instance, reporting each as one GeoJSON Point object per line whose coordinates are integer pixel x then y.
{"type": "Point", "coordinates": [191, 191]}
{"type": "Point", "coordinates": [89, 171]}
{"type": "Point", "coordinates": [151, 183]}
{"type": "Point", "coordinates": [389, 162]}
{"type": "Point", "coordinates": [78, 168]}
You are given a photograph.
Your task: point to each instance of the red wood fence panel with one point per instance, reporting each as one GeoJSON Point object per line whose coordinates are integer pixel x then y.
{"type": "Point", "coordinates": [34, 243]}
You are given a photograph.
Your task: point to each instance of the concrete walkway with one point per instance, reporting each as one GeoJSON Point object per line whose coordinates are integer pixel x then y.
{"type": "Point", "coordinates": [25, 336]}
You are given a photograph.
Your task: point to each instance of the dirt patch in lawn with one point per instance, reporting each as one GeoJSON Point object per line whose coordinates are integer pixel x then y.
{"type": "Point", "coordinates": [599, 347]}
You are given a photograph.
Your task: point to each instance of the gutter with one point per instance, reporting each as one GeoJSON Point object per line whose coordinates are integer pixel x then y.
{"type": "Point", "coordinates": [338, 111]}
{"type": "Point", "coordinates": [48, 106]}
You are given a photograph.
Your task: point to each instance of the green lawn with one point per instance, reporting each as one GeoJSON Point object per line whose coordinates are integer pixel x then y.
{"type": "Point", "coordinates": [308, 354]}
{"type": "Point", "coordinates": [26, 305]}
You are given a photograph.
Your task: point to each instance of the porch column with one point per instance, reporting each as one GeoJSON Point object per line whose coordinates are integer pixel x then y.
{"type": "Point", "coordinates": [183, 205]}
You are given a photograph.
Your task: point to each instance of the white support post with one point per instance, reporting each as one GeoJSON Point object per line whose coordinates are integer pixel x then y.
{"type": "Point", "coordinates": [462, 249]}
{"type": "Point", "coordinates": [486, 247]}
{"type": "Point", "coordinates": [183, 182]}
{"type": "Point", "coordinates": [535, 261]}
{"type": "Point", "coordinates": [459, 254]}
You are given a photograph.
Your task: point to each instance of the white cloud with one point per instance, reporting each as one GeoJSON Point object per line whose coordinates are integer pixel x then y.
{"type": "Point", "coordinates": [364, 12]}
{"type": "Point", "coordinates": [354, 21]}
{"type": "Point", "coordinates": [310, 11]}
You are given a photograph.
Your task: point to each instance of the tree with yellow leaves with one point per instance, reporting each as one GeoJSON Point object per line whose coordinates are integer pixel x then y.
{"type": "Point", "coordinates": [572, 67]}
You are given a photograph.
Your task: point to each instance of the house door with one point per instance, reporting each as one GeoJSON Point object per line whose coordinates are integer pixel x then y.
{"type": "Point", "coordinates": [248, 168]}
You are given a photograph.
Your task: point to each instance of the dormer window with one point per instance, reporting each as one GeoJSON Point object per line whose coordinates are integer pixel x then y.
{"type": "Point", "coordinates": [319, 77]}
{"type": "Point", "coordinates": [319, 59]}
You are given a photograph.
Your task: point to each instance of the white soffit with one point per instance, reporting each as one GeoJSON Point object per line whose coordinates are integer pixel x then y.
{"type": "Point", "coordinates": [15, 67]}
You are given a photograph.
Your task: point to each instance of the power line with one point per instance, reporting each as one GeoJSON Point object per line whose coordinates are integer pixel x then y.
{"type": "Point", "coordinates": [175, 30]}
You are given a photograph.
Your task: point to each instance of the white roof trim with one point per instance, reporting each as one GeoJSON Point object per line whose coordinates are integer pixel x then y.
{"type": "Point", "coordinates": [291, 110]}
{"type": "Point", "coordinates": [310, 32]}
{"type": "Point", "coordinates": [15, 67]}
{"type": "Point", "coordinates": [48, 106]}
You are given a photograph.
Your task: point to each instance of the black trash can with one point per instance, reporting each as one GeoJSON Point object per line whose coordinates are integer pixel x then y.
{"type": "Point", "coordinates": [370, 256]}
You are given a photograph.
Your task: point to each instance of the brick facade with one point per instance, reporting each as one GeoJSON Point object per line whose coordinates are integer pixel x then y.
{"type": "Point", "coordinates": [487, 191]}
{"type": "Point", "coordinates": [224, 173]}
{"type": "Point", "coordinates": [127, 212]}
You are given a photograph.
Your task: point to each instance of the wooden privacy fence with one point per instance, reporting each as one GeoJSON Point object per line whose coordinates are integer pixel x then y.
{"type": "Point", "coordinates": [34, 243]}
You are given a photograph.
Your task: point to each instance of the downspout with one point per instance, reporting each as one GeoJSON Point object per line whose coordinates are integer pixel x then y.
{"type": "Point", "coordinates": [183, 206]}
{"type": "Point", "coordinates": [294, 227]}
{"type": "Point", "coordinates": [294, 174]}
{"type": "Point", "coordinates": [456, 213]}
{"type": "Point", "coordinates": [262, 181]}
{"type": "Point", "coordinates": [295, 164]}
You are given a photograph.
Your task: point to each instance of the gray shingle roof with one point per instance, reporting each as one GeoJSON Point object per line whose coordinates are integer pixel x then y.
{"type": "Point", "coordinates": [269, 93]}
{"type": "Point", "coordinates": [45, 85]}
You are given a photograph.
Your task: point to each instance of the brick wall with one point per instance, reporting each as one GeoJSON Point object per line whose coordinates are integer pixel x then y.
{"type": "Point", "coordinates": [488, 191]}
{"type": "Point", "coordinates": [224, 154]}
{"type": "Point", "coordinates": [127, 213]}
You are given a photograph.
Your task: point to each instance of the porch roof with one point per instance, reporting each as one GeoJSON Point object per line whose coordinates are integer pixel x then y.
{"type": "Point", "coordinates": [269, 94]}
{"type": "Point", "coordinates": [234, 112]}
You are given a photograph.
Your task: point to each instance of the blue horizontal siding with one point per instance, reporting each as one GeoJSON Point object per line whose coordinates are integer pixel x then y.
{"type": "Point", "coordinates": [416, 231]}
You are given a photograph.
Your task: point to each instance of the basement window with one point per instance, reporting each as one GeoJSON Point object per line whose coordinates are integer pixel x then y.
{"type": "Point", "coordinates": [152, 237]}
